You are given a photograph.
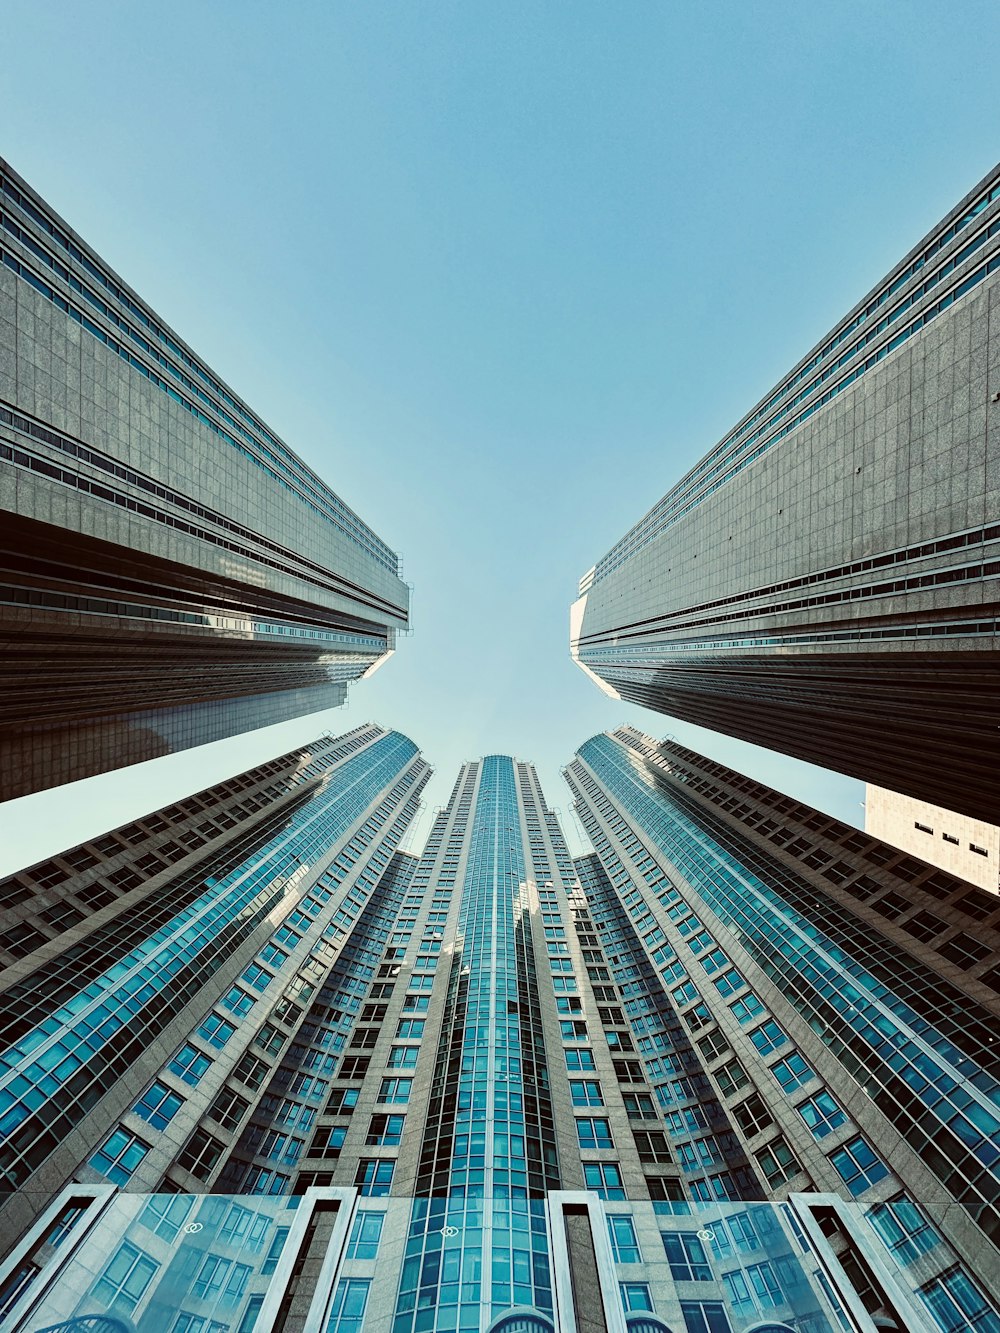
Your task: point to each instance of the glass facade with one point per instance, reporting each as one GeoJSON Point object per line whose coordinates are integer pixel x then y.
{"type": "Point", "coordinates": [223, 1264]}
{"type": "Point", "coordinates": [811, 1023]}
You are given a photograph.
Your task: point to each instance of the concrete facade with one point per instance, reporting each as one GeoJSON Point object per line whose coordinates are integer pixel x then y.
{"type": "Point", "coordinates": [166, 556]}
{"type": "Point", "coordinates": [966, 848]}
{"type": "Point", "coordinates": [825, 582]}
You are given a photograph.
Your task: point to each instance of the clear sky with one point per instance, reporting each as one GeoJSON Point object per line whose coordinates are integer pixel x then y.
{"type": "Point", "coordinates": [501, 272]}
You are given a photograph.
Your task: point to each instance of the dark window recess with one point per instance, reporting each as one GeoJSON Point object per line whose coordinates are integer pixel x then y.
{"type": "Point", "coordinates": [22, 940]}
{"type": "Point", "coordinates": [61, 916]}
{"type": "Point", "coordinates": [13, 892]}
{"type": "Point", "coordinates": [125, 879]}
{"type": "Point", "coordinates": [965, 950]}
{"type": "Point", "coordinates": [978, 905]}
{"type": "Point", "coordinates": [46, 875]}
{"type": "Point", "coordinates": [354, 1066]}
{"type": "Point", "coordinates": [925, 926]}
{"type": "Point", "coordinates": [200, 1154]}
{"type": "Point", "coordinates": [95, 896]}
{"type": "Point", "coordinates": [892, 905]}
{"type": "Point", "coordinates": [651, 1145]}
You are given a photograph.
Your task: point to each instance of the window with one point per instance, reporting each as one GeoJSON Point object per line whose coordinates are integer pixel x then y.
{"type": "Point", "coordinates": [124, 1281]}
{"type": "Point", "coordinates": [764, 1285]}
{"type": "Point", "coordinates": [743, 1232]}
{"type": "Point", "coordinates": [158, 1105]}
{"type": "Point", "coordinates": [792, 1072]}
{"type": "Point", "coordinates": [189, 1065]}
{"type": "Point", "coordinates": [412, 1028]}
{"type": "Point", "coordinates": [594, 1133]}
{"type": "Point", "coordinates": [327, 1142]}
{"type": "Point", "coordinates": [777, 1163]}
{"type": "Point", "coordinates": [686, 1256]}
{"type": "Point", "coordinates": [639, 1106]}
{"type": "Point", "coordinates": [374, 1175]}
{"type": "Point", "coordinates": [713, 1045]}
{"type": "Point", "coordinates": [747, 1009]}
{"type": "Point", "coordinates": [586, 1092]}
{"type": "Point", "coordinates": [605, 1179]}
{"type": "Point", "coordinates": [752, 1115]}
{"type": "Point", "coordinates": [272, 956]}
{"type": "Point", "coordinates": [251, 1071]}
{"type": "Point", "coordinates": [402, 1057]}
{"type": "Point", "coordinates": [857, 1165]}
{"type": "Point", "coordinates": [738, 1291]}
{"type": "Point", "coordinates": [165, 1214]}
{"type": "Point", "coordinates": [578, 1061]}
{"type": "Point", "coordinates": [768, 1037]}
{"type": "Point", "coordinates": [957, 1304]}
{"type": "Point", "coordinates": [964, 949]}
{"type": "Point", "coordinates": [342, 1101]}
{"type": "Point", "coordinates": [651, 1145]}
{"type": "Point", "coordinates": [624, 1242]}
{"type": "Point", "coordinates": [980, 851]}
{"type": "Point", "coordinates": [573, 1031]}
{"type": "Point", "coordinates": [385, 1131]}
{"type": "Point", "coordinates": [924, 828]}
{"type": "Point", "coordinates": [635, 1295]}
{"type": "Point", "coordinates": [365, 1234]}
{"type": "Point", "coordinates": [902, 1228]}
{"type": "Point", "coordinates": [705, 1317]}
{"type": "Point", "coordinates": [348, 1312]}
{"type": "Point", "coordinates": [729, 982]}
{"type": "Point", "coordinates": [948, 837]}
{"type": "Point", "coordinates": [822, 1114]}
{"type": "Point", "coordinates": [257, 977]}
{"type": "Point", "coordinates": [249, 1320]}
{"type": "Point", "coordinates": [395, 1090]}
{"type": "Point", "coordinates": [215, 1031]}
{"type": "Point", "coordinates": [200, 1154]}
{"type": "Point", "coordinates": [119, 1156]}
{"type": "Point", "coordinates": [229, 1108]}
{"type": "Point", "coordinates": [731, 1077]}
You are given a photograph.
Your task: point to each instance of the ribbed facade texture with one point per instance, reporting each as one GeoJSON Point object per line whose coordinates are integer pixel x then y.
{"type": "Point", "coordinates": [170, 571]}
{"type": "Point", "coordinates": [838, 998]}
{"type": "Point", "coordinates": [161, 981]}
{"type": "Point", "coordinates": [825, 581]}
{"type": "Point", "coordinates": [731, 1071]}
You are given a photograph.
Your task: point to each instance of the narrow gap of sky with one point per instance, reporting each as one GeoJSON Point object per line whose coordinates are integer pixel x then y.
{"type": "Point", "coordinates": [501, 274]}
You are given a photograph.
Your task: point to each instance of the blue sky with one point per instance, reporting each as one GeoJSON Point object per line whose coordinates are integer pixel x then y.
{"type": "Point", "coordinates": [501, 273]}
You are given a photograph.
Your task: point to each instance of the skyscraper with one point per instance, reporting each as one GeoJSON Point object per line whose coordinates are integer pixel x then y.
{"type": "Point", "coordinates": [153, 976]}
{"type": "Point", "coordinates": [172, 572]}
{"type": "Point", "coordinates": [841, 996]}
{"type": "Point", "coordinates": [492, 1104]}
{"type": "Point", "coordinates": [825, 581]}
{"type": "Point", "coordinates": [968, 848]}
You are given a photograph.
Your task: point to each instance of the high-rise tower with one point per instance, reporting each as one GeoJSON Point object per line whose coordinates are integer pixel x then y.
{"type": "Point", "coordinates": [152, 977]}
{"type": "Point", "coordinates": [841, 997]}
{"type": "Point", "coordinates": [492, 1099]}
{"type": "Point", "coordinates": [825, 581]}
{"type": "Point", "coordinates": [172, 572]}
